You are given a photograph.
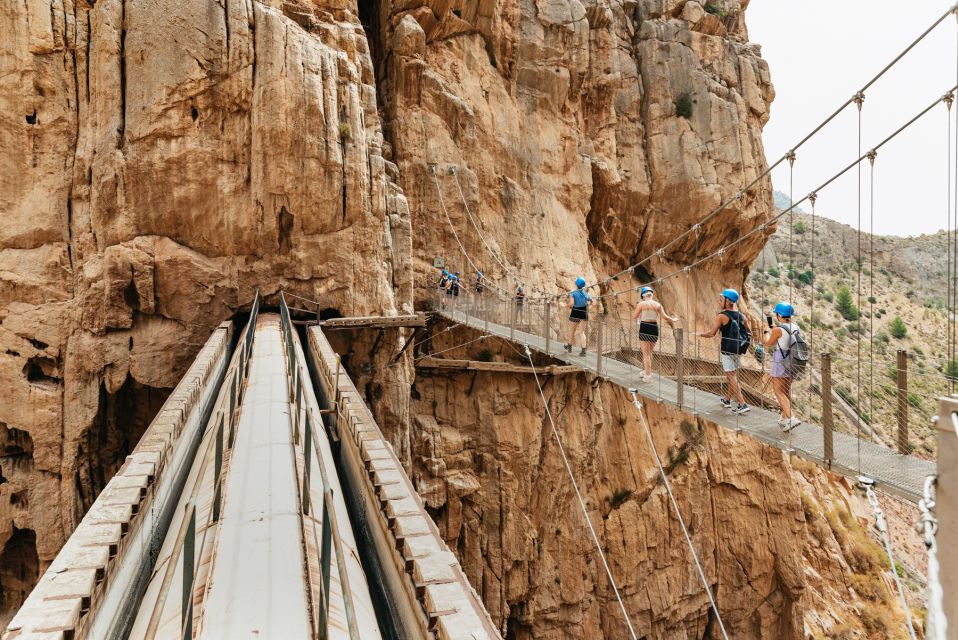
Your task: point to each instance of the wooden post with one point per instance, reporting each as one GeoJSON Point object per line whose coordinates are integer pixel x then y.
{"type": "Point", "coordinates": [827, 420]}
{"type": "Point", "coordinates": [679, 366]}
{"type": "Point", "coordinates": [902, 380]}
{"type": "Point", "coordinates": [548, 324]}
{"type": "Point", "coordinates": [598, 346]}
{"type": "Point", "coordinates": [512, 323]}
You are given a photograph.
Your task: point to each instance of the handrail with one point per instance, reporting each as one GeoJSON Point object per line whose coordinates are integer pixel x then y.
{"type": "Point", "coordinates": [330, 524]}
{"type": "Point", "coordinates": [186, 536]}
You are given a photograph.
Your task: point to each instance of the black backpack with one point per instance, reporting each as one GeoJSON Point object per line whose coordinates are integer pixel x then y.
{"type": "Point", "coordinates": [738, 338]}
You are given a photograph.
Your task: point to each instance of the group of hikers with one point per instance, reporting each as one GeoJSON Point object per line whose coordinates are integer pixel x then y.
{"type": "Point", "coordinates": [781, 334]}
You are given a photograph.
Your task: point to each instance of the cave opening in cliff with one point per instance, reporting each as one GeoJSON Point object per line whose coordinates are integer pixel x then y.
{"type": "Point", "coordinates": [122, 418]}
{"type": "Point", "coordinates": [369, 17]}
{"type": "Point", "coordinates": [40, 370]}
{"type": "Point", "coordinates": [19, 569]}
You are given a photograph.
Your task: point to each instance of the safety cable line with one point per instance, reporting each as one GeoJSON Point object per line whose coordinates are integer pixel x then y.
{"type": "Point", "coordinates": [436, 353]}
{"type": "Point", "coordinates": [455, 235]}
{"type": "Point", "coordinates": [742, 238]}
{"type": "Point", "coordinates": [811, 325]}
{"type": "Point", "coordinates": [859, 99]}
{"type": "Point", "coordinates": [678, 513]}
{"type": "Point", "coordinates": [578, 495]}
{"type": "Point", "coordinates": [515, 274]}
{"type": "Point", "coordinates": [882, 527]}
{"type": "Point", "coordinates": [949, 293]}
{"type": "Point", "coordinates": [936, 626]}
{"type": "Point", "coordinates": [953, 283]}
{"type": "Point", "coordinates": [793, 149]}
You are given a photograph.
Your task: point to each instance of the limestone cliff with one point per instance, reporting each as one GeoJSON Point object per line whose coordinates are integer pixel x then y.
{"type": "Point", "coordinates": [586, 134]}
{"type": "Point", "coordinates": [161, 161]}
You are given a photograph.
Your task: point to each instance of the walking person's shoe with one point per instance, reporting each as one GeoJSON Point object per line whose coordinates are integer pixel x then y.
{"type": "Point", "coordinates": [726, 403]}
{"type": "Point", "coordinates": [582, 353]}
{"type": "Point", "coordinates": [741, 409]}
{"type": "Point", "coordinates": [646, 377]}
{"type": "Point", "coordinates": [567, 347]}
{"type": "Point", "coordinates": [781, 421]}
{"type": "Point", "coordinates": [790, 424]}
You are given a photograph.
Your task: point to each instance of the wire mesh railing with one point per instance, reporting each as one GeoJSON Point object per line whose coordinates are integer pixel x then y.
{"type": "Point", "coordinates": [682, 365]}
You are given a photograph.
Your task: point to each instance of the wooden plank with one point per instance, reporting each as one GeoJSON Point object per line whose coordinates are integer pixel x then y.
{"type": "Point", "coordinates": [501, 367]}
{"type": "Point", "coordinates": [375, 322]}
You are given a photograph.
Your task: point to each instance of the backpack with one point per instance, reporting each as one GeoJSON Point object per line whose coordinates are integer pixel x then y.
{"type": "Point", "coordinates": [796, 358]}
{"type": "Point", "coordinates": [738, 338]}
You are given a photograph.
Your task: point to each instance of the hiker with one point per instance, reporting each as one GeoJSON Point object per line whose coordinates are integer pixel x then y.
{"type": "Point", "coordinates": [648, 312]}
{"type": "Point", "coordinates": [452, 291]}
{"type": "Point", "coordinates": [782, 336]}
{"type": "Point", "coordinates": [480, 283]}
{"type": "Point", "coordinates": [735, 341]}
{"type": "Point", "coordinates": [520, 301]}
{"type": "Point", "coordinates": [579, 301]}
{"type": "Point", "coordinates": [443, 285]}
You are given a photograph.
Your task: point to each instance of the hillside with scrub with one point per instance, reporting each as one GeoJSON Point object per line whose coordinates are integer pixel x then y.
{"type": "Point", "coordinates": [896, 301]}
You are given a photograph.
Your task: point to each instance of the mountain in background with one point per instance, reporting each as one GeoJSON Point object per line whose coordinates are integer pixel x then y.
{"type": "Point", "coordinates": [782, 202]}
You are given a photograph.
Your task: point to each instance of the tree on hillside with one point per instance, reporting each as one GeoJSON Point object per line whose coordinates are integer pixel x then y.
{"type": "Point", "coordinates": [846, 307]}
{"type": "Point", "coordinates": [898, 329]}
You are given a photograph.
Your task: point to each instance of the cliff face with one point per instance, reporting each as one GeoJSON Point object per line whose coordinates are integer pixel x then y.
{"type": "Point", "coordinates": [585, 135]}
{"type": "Point", "coordinates": [160, 162]}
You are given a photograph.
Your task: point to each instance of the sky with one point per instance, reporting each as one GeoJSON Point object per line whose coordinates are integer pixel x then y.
{"type": "Point", "coordinates": [820, 53]}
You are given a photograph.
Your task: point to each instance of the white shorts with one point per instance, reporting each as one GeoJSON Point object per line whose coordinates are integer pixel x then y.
{"type": "Point", "coordinates": [731, 362]}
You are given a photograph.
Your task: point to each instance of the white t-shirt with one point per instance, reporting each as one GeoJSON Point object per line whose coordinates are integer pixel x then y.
{"type": "Point", "coordinates": [785, 340]}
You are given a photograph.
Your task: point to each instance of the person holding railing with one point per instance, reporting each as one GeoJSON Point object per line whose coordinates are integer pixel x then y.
{"type": "Point", "coordinates": [520, 301]}
{"type": "Point", "coordinates": [579, 302]}
{"type": "Point", "coordinates": [735, 341]}
{"type": "Point", "coordinates": [647, 313]}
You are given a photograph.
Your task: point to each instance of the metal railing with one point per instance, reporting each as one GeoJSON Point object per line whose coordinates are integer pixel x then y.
{"type": "Point", "coordinates": [306, 420]}
{"type": "Point", "coordinates": [185, 548]}
{"type": "Point", "coordinates": [882, 412]}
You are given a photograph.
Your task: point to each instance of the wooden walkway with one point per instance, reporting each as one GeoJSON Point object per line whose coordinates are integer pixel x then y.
{"type": "Point", "coordinates": [899, 474]}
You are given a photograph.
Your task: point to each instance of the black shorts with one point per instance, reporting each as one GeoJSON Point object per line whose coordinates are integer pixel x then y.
{"type": "Point", "coordinates": [649, 332]}
{"type": "Point", "coordinates": [578, 314]}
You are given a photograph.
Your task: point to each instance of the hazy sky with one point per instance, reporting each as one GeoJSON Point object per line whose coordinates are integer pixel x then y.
{"type": "Point", "coordinates": [820, 53]}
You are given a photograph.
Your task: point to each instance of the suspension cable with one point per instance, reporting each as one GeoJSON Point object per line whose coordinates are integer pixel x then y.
{"type": "Point", "coordinates": [953, 282]}
{"type": "Point", "coordinates": [458, 346]}
{"type": "Point", "coordinates": [871, 283]}
{"type": "Point", "coordinates": [578, 495]}
{"type": "Point", "coordinates": [859, 99]}
{"type": "Point", "coordinates": [678, 513]}
{"type": "Point", "coordinates": [949, 292]}
{"type": "Point", "coordinates": [812, 197]}
{"type": "Point", "coordinates": [882, 527]}
{"type": "Point", "coordinates": [936, 627]}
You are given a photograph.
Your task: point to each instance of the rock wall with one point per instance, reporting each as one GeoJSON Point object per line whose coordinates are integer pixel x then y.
{"type": "Point", "coordinates": [161, 161]}
{"type": "Point", "coordinates": [783, 543]}
{"type": "Point", "coordinates": [585, 135]}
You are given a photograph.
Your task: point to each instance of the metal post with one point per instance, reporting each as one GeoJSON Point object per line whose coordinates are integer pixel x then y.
{"type": "Point", "coordinates": [512, 323]}
{"type": "Point", "coordinates": [827, 420]}
{"type": "Point", "coordinates": [296, 411]}
{"type": "Point", "coordinates": [324, 561]}
{"type": "Point", "coordinates": [598, 346]}
{"type": "Point", "coordinates": [902, 381]}
{"type": "Point", "coordinates": [217, 469]}
{"type": "Point", "coordinates": [307, 451]}
{"type": "Point", "coordinates": [548, 324]}
{"type": "Point", "coordinates": [189, 544]}
{"type": "Point", "coordinates": [946, 500]}
{"type": "Point", "coordinates": [679, 366]}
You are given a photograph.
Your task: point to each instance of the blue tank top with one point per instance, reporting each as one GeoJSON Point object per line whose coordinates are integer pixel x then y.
{"type": "Point", "coordinates": [580, 299]}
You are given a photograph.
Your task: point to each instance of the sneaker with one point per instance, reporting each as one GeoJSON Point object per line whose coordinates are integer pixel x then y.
{"type": "Point", "coordinates": [781, 422]}
{"type": "Point", "coordinates": [791, 423]}
{"type": "Point", "coordinates": [726, 403]}
{"type": "Point", "coordinates": [582, 353]}
{"type": "Point", "coordinates": [567, 347]}
{"type": "Point", "coordinates": [742, 409]}
{"type": "Point", "coordinates": [646, 377]}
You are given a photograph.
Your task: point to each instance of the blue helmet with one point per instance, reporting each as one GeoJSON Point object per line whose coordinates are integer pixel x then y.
{"type": "Point", "coordinates": [731, 295]}
{"type": "Point", "coordinates": [646, 290]}
{"type": "Point", "coordinates": [580, 282]}
{"type": "Point", "coordinates": [785, 310]}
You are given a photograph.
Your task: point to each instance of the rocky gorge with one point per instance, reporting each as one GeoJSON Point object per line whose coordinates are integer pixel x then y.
{"type": "Point", "coordinates": [162, 161]}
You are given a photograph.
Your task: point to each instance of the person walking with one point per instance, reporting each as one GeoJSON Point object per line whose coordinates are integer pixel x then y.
{"type": "Point", "coordinates": [647, 313]}
{"type": "Point", "coordinates": [579, 302]}
{"type": "Point", "coordinates": [781, 337]}
{"type": "Point", "coordinates": [735, 341]}
{"type": "Point", "coordinates": [520, 302]}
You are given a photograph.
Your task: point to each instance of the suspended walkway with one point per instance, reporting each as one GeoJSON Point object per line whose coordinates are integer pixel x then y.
{"type": "Point", "coordinates": [263, 501]}
{"type": "Point", "coordinates": [613, 354]}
